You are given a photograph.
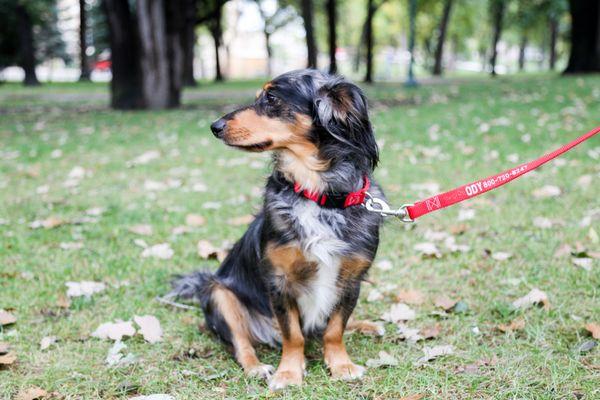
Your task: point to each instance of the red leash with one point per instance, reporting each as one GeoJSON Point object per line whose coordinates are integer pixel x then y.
{"type": "Point", "coordinates": [410, 212]}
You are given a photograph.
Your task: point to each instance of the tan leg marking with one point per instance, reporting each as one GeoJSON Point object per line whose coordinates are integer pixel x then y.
{"type": "Point", "coordinates": [336, 356]}
{"type": "Point", "coordinates": [291, 367]}
{"type": "Point", "coordinates": [237, 319]}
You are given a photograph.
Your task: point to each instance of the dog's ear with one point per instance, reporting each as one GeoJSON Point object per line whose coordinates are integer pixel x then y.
{"type": "Point", "coordinates": [341, 109]}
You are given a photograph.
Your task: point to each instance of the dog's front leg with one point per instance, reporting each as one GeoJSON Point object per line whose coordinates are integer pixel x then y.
{"type": "Point", "coordinates": [336, 357]}
{"type": "Point", "coordinates": [292, 364]}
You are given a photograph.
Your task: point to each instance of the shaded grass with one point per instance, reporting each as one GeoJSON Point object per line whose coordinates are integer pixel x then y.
{"type": "Point", "coordinates": [540, 362]}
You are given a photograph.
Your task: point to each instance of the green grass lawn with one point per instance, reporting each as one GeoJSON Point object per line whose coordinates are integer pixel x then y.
{"type": "Point", "coordinates": [445, 134]}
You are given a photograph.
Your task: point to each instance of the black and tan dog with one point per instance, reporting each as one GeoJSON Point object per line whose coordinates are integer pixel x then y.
{"type": "Point", "coordinates": [296, 272]}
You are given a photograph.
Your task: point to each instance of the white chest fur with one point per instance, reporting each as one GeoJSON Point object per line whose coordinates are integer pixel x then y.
{"type": "Point", "coordinates": [320, 244]}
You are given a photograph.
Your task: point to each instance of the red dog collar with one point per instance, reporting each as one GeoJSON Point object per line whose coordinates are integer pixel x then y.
{"type": "Point", "coordinates": [336, 200]}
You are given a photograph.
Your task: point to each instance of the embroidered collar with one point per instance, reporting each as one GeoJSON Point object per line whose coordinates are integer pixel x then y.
{"type": "Point", "coordinates": [336, 200]}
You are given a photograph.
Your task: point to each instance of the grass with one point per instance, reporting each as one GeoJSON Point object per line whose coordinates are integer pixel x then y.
{"type": "Point", "coordinates": [491, 117]}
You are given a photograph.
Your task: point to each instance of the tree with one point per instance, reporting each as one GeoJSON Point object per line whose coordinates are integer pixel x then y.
{"type": "Point", "coordinates": [272, 22]}
{"type": "Point", "coordinates": [189, 42]}
{"type": "Point", "coordinates": [331, 24]}
{"type": "Point", "coordinates": [441, 37]}
{"type": "Point", "coordinates": [83, 58]}
{"type": "Point", "coordinates": [497, 8]}
{"type": "Point", "coordinates": [210, 15]}
{"type": "Point", "coordinates": [372, 7]}
{"type": "Point", "coordinates": [585, 36]}
{"type": "Point", "coordinates": [26, 45]}
{"type": "Point", "coordinates": [307, 12]}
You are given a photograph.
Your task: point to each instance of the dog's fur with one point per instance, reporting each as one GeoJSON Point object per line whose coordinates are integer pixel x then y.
{"type": "Point", "coordinates": [296, 272]}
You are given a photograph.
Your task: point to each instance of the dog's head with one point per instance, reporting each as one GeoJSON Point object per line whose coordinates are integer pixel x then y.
{"type": "Point", "coordinates": [317, 118]}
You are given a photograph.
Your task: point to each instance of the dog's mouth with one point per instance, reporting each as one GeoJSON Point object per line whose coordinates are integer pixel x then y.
{"type": "Point", "coordinates": [260, 146]}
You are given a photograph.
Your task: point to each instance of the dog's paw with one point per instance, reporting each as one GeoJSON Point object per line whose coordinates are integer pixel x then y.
{"type": "Point", "coordinates": [347, 371]}
{"type": "Point", "coordinates": [283, 379]}
{"type": "Point", "coordinates": [263, 371]}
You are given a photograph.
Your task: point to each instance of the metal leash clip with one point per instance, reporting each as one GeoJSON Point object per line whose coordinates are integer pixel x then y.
{"type": "Point", "coordinates": [375, 204]}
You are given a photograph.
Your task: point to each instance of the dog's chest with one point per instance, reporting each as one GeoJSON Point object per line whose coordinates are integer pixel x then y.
{"type": "Point", "coordinates": [320, 241]}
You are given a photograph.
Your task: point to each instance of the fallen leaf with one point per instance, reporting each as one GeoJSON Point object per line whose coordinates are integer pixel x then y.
{"type": "Point", "coordinates": [6, 318]}
{"type": "Point", "coordinates": [71, 245]}
{"type": "Point", "coordinates": [242, 220]}
{"type": "Point", "coordinates": [431, 353]}
{"type": "Point", "coordinates": [116, 357]}
{"type": "Point", "coordinates": [149, 328]}
{"type": "Point", "coordinates": [466, 214]}
{"type": "Point", "coordinates": [365, 327]}
{"type": "Point", "coordinates": [547, 191]}
{"type": "Point", "coordinates": [451, 244]}
{"type": "Point", "coordinates": [63, 301]}
{"type": "Point", "coordinates": [114, 331]}
{"type": "Point", "coordinates": [207, 251]}
{"type": "Point", "coordinates": [141, 229]}
{"type": "Point", "coordinates": [162, 251]}
{"type": "Point", "coordinates": [374, 295]}
{"type": "Point", "coordinates": [95, 211]}
{"type": "Point", "coordinates": [562, 251]}
{"type": "Point", "coordinates": [594, 329]}
{"type": "Point", "coordinates": [458, 229]}
{"type": "Point", "coordinates": [542, 222]}
{"type": "Point", "coordinates": [153, 397]}
{"type": "Point", "coordinates": [47, 341]}
{"type": "Point", "coordinates": [431, 332]}
{"type": "Point", "coordinates": [501, 256]}
{"type": "Point", "coordinates": [84, 288]}
{"type": "Point", "coordinates": [587, 346]}
{"type": "Point", "coordinates": [399, 312]}
{"type": "Point", "coordinates": [4, 347]}
{"type": "Point", "coordinates": [444, 302]}
{"type": "Point", "coordinates": [181, 229]}
{"type": "Point", "coordinates": [48, 223]}
{"type": "Point", "coordinates": [535, 296]}
{"type": "Point", "coordinates": [428, 249]}
{"type": "Point", "coordinates": [8, 358]}
{"type": "Point", "coordinates": [384, 265]}
{"type": "Point", "coordinates": [410, 296]}
{"type": "Point", "coordinates": [33, 393]}
{"type": "Point", "coordinates": [515, 325]}
{"type": "Point", "coordinates": [194, 220]}
{"type": "Point", "coordinates": [409, 334]}
{"type": "Point", "coordinates": [384, 360]}
{"type": "Point", "coordinates": [583, 262]}
{"type": "Point", "coordinates": [144, 158]}
{"type": "Point", "coordinates": [418, 396]}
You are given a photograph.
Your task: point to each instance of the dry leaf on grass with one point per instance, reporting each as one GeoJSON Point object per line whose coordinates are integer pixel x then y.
{"type": "Point", "coordinates": [206, 250]}
{"type": "Point", "coordinates": [71, 245]}
{"type": "Point", "coordinates": [542, 222]}
{"type": "Point", "coordinates": [583, 262]}
{"type": "Point", "coordinates": [501, 255]}
{"type": "Point", "coordinates": [141, 229]}
{"type": "Point", "coordinates": [153, 397]}
{"type": "Point", "coordinates": [8, 358]}
{"type": "Point", "coordinates": [116, 357]}
{"type": "Point", "coordinates": [444, 302]}
{"type": "Point", "coordinates": [374, 295]}
{"type": "Point", "coordinates": [535, 296]}
{"type": "Point", "coordinates": [149, 328]}
{"type": "Point", "coordinates": [242, 220]}
{"type": "Point", "coordinates": [431, 332]}
{"type": "Point", "coordinates": [194, 220]}
{"type": "Point", "coordinates": [409, 334]}
{"type": "Point", "coordinates": [162, 251]}
{"type": "Point", "coordinates": [547, 191]}
{"type": "Point", "coordinates": [4, 347]}
{"type": "Point", "coordinates": [418, 396]}
{"type": "Point", "coordinates": [365, 327]}
{"type": "Point", "coordinates": [63, 301]}
{"type": "Point", "coordinates": [47, 341]}
{"type": "Point", "coordinates": [515, 325]}
{"type": "Point", "coordinates": [428, 249]}
{"type": "Point", "coordinates": [431, 353]}
{"type": "Point", "coordinates": [594, 329]}
{"type": "Point", "coordinates": [399, 312]}
{"type": "Point", "coordinates": [33, 393]}
{"type": "Point", "coordinates": [410, 296]}
{"type": "Point", "coordinates": [114, 330]}
{"type": "Point", "coordinates": [48, 223]}
{"type": "Point", "coordinates": [384, 360]}
{"type": "Point", "coordinates": [84, 288]}
{"type": "Point", "coordinates": [144, 158]}
{"type": "Point", "coordinates": [384, 265]}
{"type": "Point", "coordinates": [6, 318]}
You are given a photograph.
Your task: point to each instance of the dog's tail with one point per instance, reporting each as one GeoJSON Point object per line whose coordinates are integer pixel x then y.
{"type": "Point", "coordinates": [196, 287]}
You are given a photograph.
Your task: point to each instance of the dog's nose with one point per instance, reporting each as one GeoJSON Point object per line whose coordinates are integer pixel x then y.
{"type": "Point", "coordinates": [218, 127]}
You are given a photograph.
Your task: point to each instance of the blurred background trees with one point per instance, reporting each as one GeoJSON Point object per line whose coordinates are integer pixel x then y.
{"type": "Point", "coordinates": [151, 49]}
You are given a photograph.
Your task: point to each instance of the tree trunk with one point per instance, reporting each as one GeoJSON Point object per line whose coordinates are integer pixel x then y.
{"type": "Point", "coordinates": [311, 44]}
{"type": "Point", "coordinates": [369, 40]}
{"type": "Point", "coordinates": [189, 42]}
{"type": "Point", "coordinates": [442, 29]}
{"type": "Point", "coordinates": [175, 16]}
{"type": "Point", "coordinates": [269, 50]}
{"type": "Point", "coordinates": [498, 17]}
{"type": "Point", "coordinates": [83, 58]}
{"type": "Point", "coordinates": [217, 34]}
{"type": "Point", "coordinates": [26, 45]}
{"type": "Point", "coordinates": [126, 84]}
{"type": "Point", "coordinates": [332, 22]}
{"type": "Point", "coordinates": [585, 36]}
{"type": "Point", "coordinates": [553, 38]}
{"type": "Point", "coordinates": [522, 48]}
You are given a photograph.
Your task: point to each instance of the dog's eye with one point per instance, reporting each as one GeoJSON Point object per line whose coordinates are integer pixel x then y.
{"type": "Point", "coordinates": [270, 98]}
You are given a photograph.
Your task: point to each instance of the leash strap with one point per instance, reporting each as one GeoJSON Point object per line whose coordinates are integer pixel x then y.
{"type": "Point", "coordinates": [476, 188]}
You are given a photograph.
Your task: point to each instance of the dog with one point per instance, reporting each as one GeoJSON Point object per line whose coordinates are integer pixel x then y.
{"type": "Point", "coordinates": [296, 272]}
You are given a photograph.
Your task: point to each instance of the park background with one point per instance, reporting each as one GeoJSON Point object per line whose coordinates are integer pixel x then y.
{"type": "Point", "coordinates": [111, 183]}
